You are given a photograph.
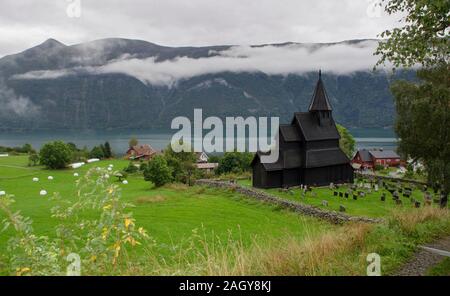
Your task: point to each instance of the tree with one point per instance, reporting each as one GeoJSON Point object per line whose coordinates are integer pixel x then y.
{"type": "Point", "coordinates": [181, 163]}
{"type": "Point", "coordinates": [157, 171]}
{"type": "Point", "coordinates": [133, 142]}
{"type": "Point", "coordinates": [107, 150]}
{"type": "Point", "coordinates": [33, 159]}
{"type": "Point", "coordinates": [27, 148]}
{"type": "Point", "coordinates": [422, 108]}
{"type": "Point", "coordinates": [97, 152]}
{"type": "Point", "coordinates": [423, 123]}
{"type": "Point", "coordinates": [347, 142]}
{"type": "Point", "coordinates": [55, 155]}
{"type": "Point", "coordinates": [235, 162]}
{"type": "Point", "coordinates": [424, 37]}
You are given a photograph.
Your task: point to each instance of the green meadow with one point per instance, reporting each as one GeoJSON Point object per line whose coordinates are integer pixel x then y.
{"type": "Point", "coordinates": [170, 214]}
{"type": "Point", "coordinates": [204, 231]}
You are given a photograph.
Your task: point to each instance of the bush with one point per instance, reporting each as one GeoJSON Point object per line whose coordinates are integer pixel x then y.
{"type": "Point", "coordinates": [158, 172]}
{"type": "Point", "coordinates": [131, 168]}
{"type": "Point", "coordinates": [378, 167]}
{"type": "Point", "coordinates": [33, 159]}
{"type": "Point", "coordinates": [55, 155]}
{"type": "Point", "coordinates": [235, 162]}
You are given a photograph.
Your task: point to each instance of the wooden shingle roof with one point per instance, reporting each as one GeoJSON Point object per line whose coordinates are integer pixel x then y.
{"type": "Point", "coordinates": [312, 131]}
{"type": "Point", "coordinates": [325, 157]}
{"type": "Point", "coordinates": [319, 100]}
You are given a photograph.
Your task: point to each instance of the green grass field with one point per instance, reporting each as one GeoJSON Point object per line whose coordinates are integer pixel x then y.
{"type": "Point", "coordinates": [242, 235]}
{"type": "Point", "coordinates": [169, 214]}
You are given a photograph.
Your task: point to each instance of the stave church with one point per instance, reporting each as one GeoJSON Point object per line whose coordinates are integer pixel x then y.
{"type": "Point", "coordinates": [309, 152]}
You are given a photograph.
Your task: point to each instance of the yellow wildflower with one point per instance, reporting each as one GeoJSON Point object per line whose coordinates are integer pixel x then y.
{"type": "Point", "coordinates": [132, 241]}
{"type": "Point", "coordinates": [21, 271]}
{"type": "Point", "coordinates": [104, 233]}
{"type": "Point", "coordinates": [128, 222]}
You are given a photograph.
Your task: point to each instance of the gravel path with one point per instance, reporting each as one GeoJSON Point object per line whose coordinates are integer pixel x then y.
{"type": "Point", "coordinates": [423, 259]}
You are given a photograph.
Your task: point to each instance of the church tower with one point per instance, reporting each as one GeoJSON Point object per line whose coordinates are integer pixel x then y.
{"type": "Point", "coordinates": [320, 106]}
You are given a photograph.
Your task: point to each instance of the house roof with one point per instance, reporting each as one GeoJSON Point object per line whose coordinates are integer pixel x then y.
{"type": "Point", "coordinates": [325, 157]}
{"type": "Point", "coordinates": [319, 100]}
{"type": "Point", "coordinates": [365, 155]}
{"type": "Point", "coordinates": [143, 150]}
{"type": "Point", "coordinates": [312, 131]}
{"type": "Point", "coordinates": [290, 133]}
{"type": "Point", "coordinates": [384, 154]}
{"type": "Point", "coordinates": [276, 166]}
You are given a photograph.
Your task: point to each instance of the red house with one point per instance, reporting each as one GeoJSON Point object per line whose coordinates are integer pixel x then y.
{"type": "Point", "coordinates": [140, 152]}
{"type": "Point", "coordinates": [370, 158]}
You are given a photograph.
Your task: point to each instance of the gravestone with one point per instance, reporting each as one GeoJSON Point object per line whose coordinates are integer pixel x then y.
{"type": "Point", "coordinates": [417, 204]}
{"type": "Point", "coordinates": [325, 203]}
{"type": "Point", "coordinates": [376, 187]}
{"type": "Point", "coordinates": [398, 202]}
{"type": "Point", "coordinates": [341, 194]}
{"type": "Point", "coordinates": [346, 195]}
{"type": "Point", "coordinates": [335, 193]}
{"type": "Point", "coordinates": [341, 208]}
{"type": "Point", "coordinates": [383, 197]}
{"type": "Point", "coordinates": [355, 197]}
{"type": "Point", "coordinates": [331, 186]}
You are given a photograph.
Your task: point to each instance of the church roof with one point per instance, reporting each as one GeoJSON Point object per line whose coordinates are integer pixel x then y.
{"type": "Point", "coordinates": [313, 131]}
{"type": "Point", "coordinates": [325, 157]}
{"type": "Point", "coordinates": [287, 159]}
{"type": "Point", "coordinates": [319, 100]}
{"type": "Point", "coordinates": [290, 133]}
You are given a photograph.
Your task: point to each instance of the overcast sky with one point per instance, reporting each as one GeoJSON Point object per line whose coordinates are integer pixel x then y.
{"type": "Point", "coordinates": [25, 23]}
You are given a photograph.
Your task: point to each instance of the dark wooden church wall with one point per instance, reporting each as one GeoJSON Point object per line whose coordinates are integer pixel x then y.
{"type": "Point", "coordinates": [324, 144]}
{"type": "Point", "coordinates": [325, 175]}
{"type": "Point", "coordinates": [292, 177]}
{"type": "Point", "coordinates": [274, 179]}
{"type": "Point", "coordinates": [257, 177]}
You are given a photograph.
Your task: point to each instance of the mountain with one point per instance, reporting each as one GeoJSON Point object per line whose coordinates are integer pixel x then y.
{"type": "Point", "coordinates": [121, 84]}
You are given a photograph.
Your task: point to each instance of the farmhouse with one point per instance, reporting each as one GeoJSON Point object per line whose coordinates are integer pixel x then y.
{"type": "Point", "coordinates": [309, 152]}
{"type": "Point", "coordinates": [145, 152]}
{"type": "Point", "coordinates": [202, 157]}
{"type": "Point", "coordinates": [369, 158]}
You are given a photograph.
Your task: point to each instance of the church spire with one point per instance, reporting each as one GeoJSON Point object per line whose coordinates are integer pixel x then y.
{"type": "Point", "coordinates": [319, 100]}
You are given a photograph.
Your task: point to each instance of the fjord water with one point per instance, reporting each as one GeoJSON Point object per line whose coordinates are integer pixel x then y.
{"type": "Point", "coordinates": [159, 139]}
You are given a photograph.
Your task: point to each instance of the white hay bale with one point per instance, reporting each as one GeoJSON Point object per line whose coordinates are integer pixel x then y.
{"type": "Point", "coordinates": [43, 192]}
{"type": "Point", "coordinates": [93, 160]}
{"type": "Point", "coordinates": [125, 182]}
{"type": "Point", "coordinates": [76, 165]}
{"type": "Point", "coordinates": [35, 179]}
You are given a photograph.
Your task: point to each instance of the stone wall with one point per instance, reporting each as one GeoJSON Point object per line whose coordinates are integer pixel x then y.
{"type": "Point", "coordinates": [331, 216]}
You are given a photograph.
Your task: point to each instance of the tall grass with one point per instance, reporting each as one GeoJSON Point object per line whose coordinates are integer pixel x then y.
{"type": "Point", "coordinates": [408, 220]}
{"type": "Point", "coordinates": [340, 251]}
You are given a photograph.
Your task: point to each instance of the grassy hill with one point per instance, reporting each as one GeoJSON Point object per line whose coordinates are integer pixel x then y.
{"type": "Point", "coordinates": [198, 230]}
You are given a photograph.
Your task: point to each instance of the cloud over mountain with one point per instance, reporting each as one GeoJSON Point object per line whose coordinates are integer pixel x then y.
{"type": "Point", "coordinates": [340, 58]}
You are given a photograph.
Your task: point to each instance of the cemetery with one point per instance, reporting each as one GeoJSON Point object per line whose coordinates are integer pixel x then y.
{"type": "Point", "coordinates": [365, 197]}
